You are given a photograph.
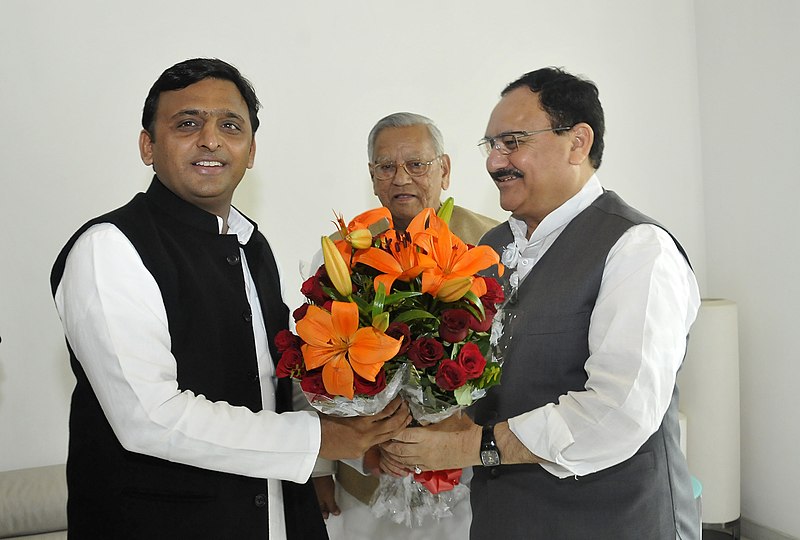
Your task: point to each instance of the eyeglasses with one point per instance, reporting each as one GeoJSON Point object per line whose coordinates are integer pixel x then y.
{"type": "Point", "coordinates": [508, 142]}
{"type": "Point", "coordinates": [388, 169]}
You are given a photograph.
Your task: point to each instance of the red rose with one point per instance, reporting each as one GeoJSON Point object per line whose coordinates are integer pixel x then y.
{"type": "Point", "coordinates": [450, 375]}
{"type": "Point", "coordinates": [290, 364]}
{"type": "Point", "coordinates": [486, 323]}
{"type": "Point", "coordinates": [312, 289]}
{"type": "Point", "coordinates": [494, 294]}
{"type": "Point", "coordinates": [399, 330]}
{"type": "Point", "coordinates": [424, 352]}
{"type": "Point", "coordinates": [471, 359]}
{"type": "Point", "coordinates": [286, 340]}
{"type": "Point", "coordinates": [369, 388]}
{"type": "Point", "coordinates": [312, 383]}
{"type": "Point", "coordinates": [300, 312]}
{"type": "Point", "coordinates": [455, 325]}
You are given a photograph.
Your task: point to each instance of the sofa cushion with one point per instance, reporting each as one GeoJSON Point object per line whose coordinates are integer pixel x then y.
{"type": "Point", "coordinates": [33, 501]}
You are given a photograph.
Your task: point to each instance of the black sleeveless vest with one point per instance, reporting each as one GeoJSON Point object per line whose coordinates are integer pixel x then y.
{"type": "Point", "coordinates": [114, 493]}
{"type": "Point", "coordinates": [647, 496]}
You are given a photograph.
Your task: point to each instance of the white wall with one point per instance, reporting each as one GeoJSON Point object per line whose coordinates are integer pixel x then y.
{"type": "Point", "coordinates": [747, 55]}
{"type": "Point", "coordinates": [72, 92]}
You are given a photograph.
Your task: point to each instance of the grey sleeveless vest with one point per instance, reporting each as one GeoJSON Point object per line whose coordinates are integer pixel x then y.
{"type": "Point", "coordinates": [648, 496]}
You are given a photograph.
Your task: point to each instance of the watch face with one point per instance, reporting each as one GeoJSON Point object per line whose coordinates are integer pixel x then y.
{"type": "Point", "coordinates": [490, 458]}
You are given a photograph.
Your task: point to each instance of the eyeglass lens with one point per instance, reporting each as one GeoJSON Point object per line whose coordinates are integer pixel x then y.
{"type": "Point", "coordinates": [388, 170]}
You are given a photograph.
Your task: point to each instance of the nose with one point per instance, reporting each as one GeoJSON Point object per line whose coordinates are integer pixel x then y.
{"type": "Point", "coordinates": [209, 137]}
{"type": "Point", "coordinates": [495, 160]}
{"type": "Point", "coordinates": [401, 176]}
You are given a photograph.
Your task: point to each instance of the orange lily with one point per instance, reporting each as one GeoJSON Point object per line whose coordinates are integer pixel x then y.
{"type": "Point", "coordinates": [365, 219]}
{"type": "Point", "coordinates": [455, 261]}
{"type": "Point", "coordinates": [400, 260]}
{"type": "Point", "coordinates": [351, 235]}
{"type": "Point", "coordinates": [335, 341]}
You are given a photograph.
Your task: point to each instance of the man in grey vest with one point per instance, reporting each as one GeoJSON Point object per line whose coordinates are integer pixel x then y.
{"type": "Point", "coordinates": [581, 438]}
{"type": "Point", "coordinates": [170, 306]}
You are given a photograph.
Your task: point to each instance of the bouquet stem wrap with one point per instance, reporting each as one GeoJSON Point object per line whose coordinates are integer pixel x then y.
{"type": "Point", "coordinates": [430, 494]}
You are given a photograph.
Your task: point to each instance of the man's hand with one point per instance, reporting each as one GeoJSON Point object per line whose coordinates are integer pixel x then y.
{"type": "Point", "coordinates": [349, 438]}
{"type": "Point", "coordinates": [451, 444]}
{"type": "Point", "coordinates": [372, 459]}
{"type": "Point", "coordinates": [326, 495]}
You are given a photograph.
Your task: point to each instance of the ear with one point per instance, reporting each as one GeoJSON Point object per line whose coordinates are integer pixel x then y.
{"type": "Point", "coordinates": [445, 165]}
{"type": "Point", "coordinates": [146, 147]}
{"type": "Point", "coordinates": [582, 136]}
{"type": "Point", "coordinates": [374, 183]}
{"type": "Point", "coordinates": [252, 159]}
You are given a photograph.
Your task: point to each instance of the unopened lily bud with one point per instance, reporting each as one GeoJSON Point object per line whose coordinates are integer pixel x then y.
{"type": "Point", "coordinates": [454, 289]}
{"type": "Point", "coordinates": [446, 210]}
{"type": "Point", "coordinates": [337, 269]}
{"type": "Point", "coordinates": [381, 322]}
{"type": "Point", "coordinates": [360, 238]}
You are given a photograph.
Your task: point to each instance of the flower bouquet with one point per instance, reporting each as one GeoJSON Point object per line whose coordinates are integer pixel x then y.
{"type": "Point", "coordinates": [397, 311]}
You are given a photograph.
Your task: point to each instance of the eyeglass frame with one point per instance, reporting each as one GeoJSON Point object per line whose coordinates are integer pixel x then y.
{"type": "Point", "coordinates": [517, 135]}
{"type": "Point", "coordinates": [398, 165]}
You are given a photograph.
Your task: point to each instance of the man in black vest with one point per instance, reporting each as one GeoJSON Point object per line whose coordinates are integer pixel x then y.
{"type": "Point", "coordinates": [170, 305]}
{"type": "Point", "coordinates": [581, 438]}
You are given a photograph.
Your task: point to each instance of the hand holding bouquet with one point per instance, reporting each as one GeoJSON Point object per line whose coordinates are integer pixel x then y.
{"type": "Point", "coordinates": [397, 311]}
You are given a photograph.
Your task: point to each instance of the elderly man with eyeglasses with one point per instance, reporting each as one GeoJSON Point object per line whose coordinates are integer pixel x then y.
{"type": "Point", "coordinates": [581, 438]}
{"type": "Point", "coordinates": [409, 171]}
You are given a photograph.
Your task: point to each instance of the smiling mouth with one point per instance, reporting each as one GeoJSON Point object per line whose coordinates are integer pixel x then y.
{"type": "Point", "coordinates": [504, 175]}
{"type": "Point", "coordinates": [208, 163]}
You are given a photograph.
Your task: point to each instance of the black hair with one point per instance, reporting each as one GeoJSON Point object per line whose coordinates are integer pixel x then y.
{"type": "Point", "coordinates": [567, 100]}
{"type": "Point", "coordinates": [191, 71]}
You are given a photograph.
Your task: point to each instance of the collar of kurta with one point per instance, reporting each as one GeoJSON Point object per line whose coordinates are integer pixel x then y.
{"type": "Point", "coordinates": [193, 216]}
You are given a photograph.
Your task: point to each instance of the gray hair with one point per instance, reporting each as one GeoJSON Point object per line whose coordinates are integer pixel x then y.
{"type": "Point", "coordinates": [405, 119]}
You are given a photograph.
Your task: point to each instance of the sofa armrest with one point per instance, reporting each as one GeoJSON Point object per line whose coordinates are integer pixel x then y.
{"type": "Point", "coordinates": [33, 500]}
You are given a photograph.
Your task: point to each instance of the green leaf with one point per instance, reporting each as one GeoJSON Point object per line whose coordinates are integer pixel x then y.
{"type": "Point", "coordinates": [476, 302]}
{"type": "Point", "coordinates": [490, 377]}
{"type": "Point", "coordinates": [464, 395]}
{"type": "Point", "coordinates": [333, 294]}
{"type": "Point", "coordinates": [363, 305]}
{"type": "Point", "coordinates": [414, 314]}
{"type": "Point", "coordinates": [378, 302]}
{"type": "Point", "coordinates": [446, 210]}
{"type": "Point", "coordinates": [400, 296]}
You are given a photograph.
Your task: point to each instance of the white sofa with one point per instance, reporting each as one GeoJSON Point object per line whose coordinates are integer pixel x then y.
{"type": "Point", "coordinates": [33, 503]}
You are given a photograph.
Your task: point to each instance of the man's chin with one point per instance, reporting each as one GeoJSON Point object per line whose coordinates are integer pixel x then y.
{"type": "Point", "coordinates": [405, 211]}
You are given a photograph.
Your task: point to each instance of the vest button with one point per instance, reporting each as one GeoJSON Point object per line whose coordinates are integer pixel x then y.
{"type": "Point", "coordinates": [260, 500]}
{"type": "Point", "coordinates": [233, 260]}
{"type": "Point", "coordinates": [494, 472]}
{"type": "Point", "coordinates": [247, 315]}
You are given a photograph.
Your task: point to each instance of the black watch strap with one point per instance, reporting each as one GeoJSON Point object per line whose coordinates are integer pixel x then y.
{"type": "Point", "coordinates": [490, 454]}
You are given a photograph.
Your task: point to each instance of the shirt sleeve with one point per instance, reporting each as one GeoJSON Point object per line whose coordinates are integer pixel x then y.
{"type": "Point", "coordinates": [115, 321]}
{"type": "Point", "coordinates": [647, 302]}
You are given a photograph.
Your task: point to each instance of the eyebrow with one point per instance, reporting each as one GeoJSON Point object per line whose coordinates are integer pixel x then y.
{"type": "Point", "coordinates": [505, 133]}
{"type": "Point", "coordinates": [221, 113]}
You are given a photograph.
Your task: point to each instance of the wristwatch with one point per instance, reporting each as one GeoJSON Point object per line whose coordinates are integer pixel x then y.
{"type": "Point", "coordinates": [490, 455]}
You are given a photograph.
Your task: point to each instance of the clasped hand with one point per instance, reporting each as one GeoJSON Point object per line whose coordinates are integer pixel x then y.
{"type": "Point", "coordinates": [452, 443]}
{"type": "Point", "coordinates": [349, 438]}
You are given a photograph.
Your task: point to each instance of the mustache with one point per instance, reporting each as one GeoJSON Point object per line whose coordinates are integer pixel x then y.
{"type": "Point", "coordinates": [499, 174]}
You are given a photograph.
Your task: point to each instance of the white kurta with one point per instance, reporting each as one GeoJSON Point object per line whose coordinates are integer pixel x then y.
{"type": "Point", "coordinates": [116, 323]}
{"type": "Point", "coordinates": [647, 302]}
